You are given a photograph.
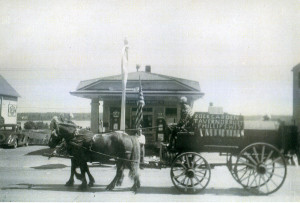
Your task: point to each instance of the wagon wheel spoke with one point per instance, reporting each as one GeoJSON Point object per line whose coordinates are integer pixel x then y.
{"type": "Point", "coordinates": [199, 164]}
{"type": "Point", "coordinates": [275, 167]}
{"type": "Point", "coordinates": [178, 169]}
{"type": "Point", "coordinates": [250, 158]}
{"type": "Point", "coordinates": [198, 181]}
{"type": "Point", "coordinates": [183, 181]}
{"type": "Point", "coordinates": [180, 163]}
{"type": "Point", "coordinates": [182, 174]}
{"type": "Point", "coordinates": [244, 174]}
{"type": "Point", "coordinates": [203, 177]}
{"type": "Point", "coordinates": [270, 154]}
{"type": "Point", "coordinates": [188, 161]}
{"type": "Point", "coordinates": [254, 179]}
{"type": "Point", "coordinates": [259, 184]}
{"type": "Point", "coordinates": [266, 183]}
{"type": "Point", "coordinates": [274, 174]}
{"type": "Point", "coordinates": [193, 161]}
{"type": "Point", "coordinates": [262, 153]}
{"type": "Point", "coordinates": [248, 164]}
{"type": "Point", "coordinates": [248, 176]}
{"type": "Point", "coordinates": [256, 154]}
{"type": "Point", "coordinates": [273, 182]}
{"type": "Point", "coordinates": [245, 167]}
{"type": "Point", "coordinates": [275, 160]}
{"type": "Point", "coordinates": [193, 186]}
{"type": "Point", "coordinates": [201, 172]}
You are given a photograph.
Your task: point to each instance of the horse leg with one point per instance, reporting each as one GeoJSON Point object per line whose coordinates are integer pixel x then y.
{"type": "Point", "coordinates": [134, 172]}
{"type": "Point", "coordinates": [119, 173]}
{"type": "Point", "coordinates": [78, 175]}
{"type": "Point", "coordinates": [70, 182]}
{"type": "Point", "coordinates": [91, 178]}
{"type": "Point", "coordinates": [83, 169]}
{"type": "Point", "coordinates": [136, 177]}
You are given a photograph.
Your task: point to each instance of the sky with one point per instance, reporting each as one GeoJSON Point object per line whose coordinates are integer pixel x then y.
{"type": "Point", "coordinates": [241, 52]}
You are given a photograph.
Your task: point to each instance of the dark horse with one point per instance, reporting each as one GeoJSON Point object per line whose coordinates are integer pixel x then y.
{"type": "Point", "coordinates": [85, 147]}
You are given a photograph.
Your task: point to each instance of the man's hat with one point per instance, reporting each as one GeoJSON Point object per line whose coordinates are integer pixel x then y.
{"type": "Point", "coordinates": [183, 100]}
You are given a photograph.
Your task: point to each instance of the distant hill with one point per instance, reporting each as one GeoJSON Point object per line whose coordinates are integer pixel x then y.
{"type": "Point", "coordinates": [49, 115]}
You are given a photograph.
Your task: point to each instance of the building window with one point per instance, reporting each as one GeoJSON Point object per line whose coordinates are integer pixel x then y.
{"type": "Point", "coordinates": [171, 115]}
{"type": "Point", "coordinates": [171, 111]}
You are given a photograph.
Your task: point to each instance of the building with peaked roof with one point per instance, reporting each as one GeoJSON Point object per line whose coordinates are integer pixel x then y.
{"type": "Point", "coordinates": [8, 102]}
{"type": "Point", "coordinates": [161, 95]}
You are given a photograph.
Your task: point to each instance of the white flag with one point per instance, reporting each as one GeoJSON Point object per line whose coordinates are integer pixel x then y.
{"type": "Point", "coordinates": [124, 62]}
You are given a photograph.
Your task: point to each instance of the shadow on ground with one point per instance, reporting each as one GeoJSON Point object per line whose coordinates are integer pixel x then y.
{"type": "Point", "coordinates": [40, 152]}
{"type": "Point", "coordinates": [142, 190]}
{"type": "Point", "coordinates": [50, 166]}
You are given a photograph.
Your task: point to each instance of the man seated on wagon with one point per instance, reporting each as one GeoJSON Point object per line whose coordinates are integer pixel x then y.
{"type": "Point", "coordinates": [185, 122]}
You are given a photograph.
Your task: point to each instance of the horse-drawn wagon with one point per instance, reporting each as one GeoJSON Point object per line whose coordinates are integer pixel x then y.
{"type": "Point", "coordinates": [255, 152]}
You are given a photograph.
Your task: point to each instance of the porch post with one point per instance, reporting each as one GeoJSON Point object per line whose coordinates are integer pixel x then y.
{"type": "Point", "coordinates": [95, 115]}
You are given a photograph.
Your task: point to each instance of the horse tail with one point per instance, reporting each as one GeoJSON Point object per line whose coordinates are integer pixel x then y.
{"type": "Point", "coordinates": [135, 158]}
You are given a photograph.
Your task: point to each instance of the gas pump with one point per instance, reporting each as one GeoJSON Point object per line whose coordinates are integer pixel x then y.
{"type": "Point", "coordinates": [115, 120]}
{"type": "Point", "coordinates": [160, 132]}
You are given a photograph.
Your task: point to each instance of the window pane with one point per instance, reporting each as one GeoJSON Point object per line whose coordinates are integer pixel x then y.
{"type": "Point", "coordinates": [171, 111]}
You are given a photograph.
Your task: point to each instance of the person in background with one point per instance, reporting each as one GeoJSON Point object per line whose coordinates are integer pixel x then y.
{"type": "Point", "coordinates": [142, 142]}
{"type": "Point", "coordinates": [185, 122]}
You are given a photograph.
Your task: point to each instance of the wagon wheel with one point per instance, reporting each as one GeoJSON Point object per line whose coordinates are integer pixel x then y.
{"type": "Point", "coordinates": [190, 172]}
{"type": "Point", "coordinates": [261, 168]}
{"type": "Point", "coordinates": [231, 160]}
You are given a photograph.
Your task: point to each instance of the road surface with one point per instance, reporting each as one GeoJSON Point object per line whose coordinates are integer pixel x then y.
{"type": "Point", "coordinates": [25, 175]}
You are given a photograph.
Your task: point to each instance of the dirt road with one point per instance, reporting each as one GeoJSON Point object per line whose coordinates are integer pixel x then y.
{"type": "Point", "coordinates": [25, 175]}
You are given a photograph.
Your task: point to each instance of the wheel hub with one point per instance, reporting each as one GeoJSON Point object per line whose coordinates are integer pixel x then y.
{"type": "Point", "coordinates": [261, 169]}
{"type": "Point", "coordinates": [190, 173]}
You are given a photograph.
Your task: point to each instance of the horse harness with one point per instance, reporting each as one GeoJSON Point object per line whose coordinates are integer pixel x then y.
{"type": "Point", "coordinates": [103, 154]}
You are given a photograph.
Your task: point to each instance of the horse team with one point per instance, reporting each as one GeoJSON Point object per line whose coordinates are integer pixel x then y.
{"type": "Point", "coordinates": [83, 146]}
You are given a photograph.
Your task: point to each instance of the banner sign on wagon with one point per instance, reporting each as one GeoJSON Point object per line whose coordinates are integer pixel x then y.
{"type": "Point", "coordinates": [219, 125]}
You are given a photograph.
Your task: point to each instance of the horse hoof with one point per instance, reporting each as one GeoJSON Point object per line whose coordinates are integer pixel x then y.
{"type": "Point", "coordinates": [134, 189]}
{"type": "Point", "coordinates": [91, 184]}
{"type": "Point", "coordinates": [69, 183]}
{"type": "Point", "coordinates": [119, 183]}
{"type": "Point", "coordinates": [109, 187]}
{"type": "Point", "coordinates": [82, 188]}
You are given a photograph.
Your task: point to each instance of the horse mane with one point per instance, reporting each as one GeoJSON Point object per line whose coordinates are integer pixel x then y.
{"type": "Point", "coordinates": [63, 129]}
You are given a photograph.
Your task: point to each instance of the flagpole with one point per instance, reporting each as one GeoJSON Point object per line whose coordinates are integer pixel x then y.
{"type": "Point", "coordinates": [124, 63]}
{"type": "Point", "coordinates": [140, 105]}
